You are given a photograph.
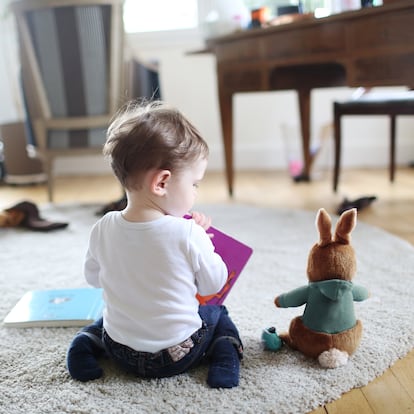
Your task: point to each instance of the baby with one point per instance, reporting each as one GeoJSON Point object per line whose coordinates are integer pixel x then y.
{"type": "Point", "coordinates": [151, 262]}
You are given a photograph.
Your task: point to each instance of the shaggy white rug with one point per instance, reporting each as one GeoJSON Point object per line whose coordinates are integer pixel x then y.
{"type": "Point", "coordinates": [33, 378]}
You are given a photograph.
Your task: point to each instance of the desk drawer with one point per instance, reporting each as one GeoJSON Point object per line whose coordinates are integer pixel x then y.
{"type": "Point", "coordinates": [312, 41]}
{"type": "Point", "coordinates": [241, 80]}
{"type": "Point", "coordinates": [239, 50]}
{"type": "Point", "coordinates": [382, 31]}
{"type": "Point", "coordinates": [383, 70]}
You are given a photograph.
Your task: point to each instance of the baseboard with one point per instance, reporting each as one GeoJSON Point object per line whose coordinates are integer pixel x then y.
{"type": "Point", "coordinates": [25, 179]}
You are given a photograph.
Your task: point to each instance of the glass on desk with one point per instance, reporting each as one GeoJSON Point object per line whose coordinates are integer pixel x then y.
{"type": "Point", "coordinates": [293, 148]}
{"type": "Point", "coordinates": [321, 150]}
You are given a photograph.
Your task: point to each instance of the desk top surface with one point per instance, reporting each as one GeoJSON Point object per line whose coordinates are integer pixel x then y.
{"type": "Point", "coordinates": [307, 21]}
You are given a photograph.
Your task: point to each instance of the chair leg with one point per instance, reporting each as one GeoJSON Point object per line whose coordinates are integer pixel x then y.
{"type": "Point", "coordinates": [392, 148]}
{"type": "Point", "coordinates": [50, 188]}
{"type": "Point", "coordinates": [337, 143]}
{"type": "Point", "coordinates": [49, 171]}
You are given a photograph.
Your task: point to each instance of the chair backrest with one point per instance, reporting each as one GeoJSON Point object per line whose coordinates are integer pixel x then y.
{"type": "Point", "coordinates": [72, 66]}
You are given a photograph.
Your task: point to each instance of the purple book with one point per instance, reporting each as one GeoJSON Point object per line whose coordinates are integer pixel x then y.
{"type": "Point", "coordinates": [235, 254]}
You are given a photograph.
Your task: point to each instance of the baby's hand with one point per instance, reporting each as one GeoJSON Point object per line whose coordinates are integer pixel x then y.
{"type": "Point", "coordinates": [201, 219]}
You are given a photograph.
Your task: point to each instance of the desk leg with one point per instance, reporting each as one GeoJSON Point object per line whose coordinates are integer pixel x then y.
{"type": "Point", "coordinates": [304, 110]}
{"type": "Point", "coordinates": [226, 112]}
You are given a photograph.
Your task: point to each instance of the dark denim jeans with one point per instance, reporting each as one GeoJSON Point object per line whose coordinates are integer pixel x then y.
{"type": "Point", "coordinates": [216, 324]}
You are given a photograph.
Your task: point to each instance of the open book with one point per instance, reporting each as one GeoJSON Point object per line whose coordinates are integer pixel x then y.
{"type": "Point", "coordinates": [56, 307]}
{"type": "Point", "coordinates": [235, 254]}
{"type": "Point", "coordinates": [81, 306]}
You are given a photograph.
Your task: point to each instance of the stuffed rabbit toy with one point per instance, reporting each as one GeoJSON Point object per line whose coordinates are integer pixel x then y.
{"type": "Point", "coordinates": [328, 329]}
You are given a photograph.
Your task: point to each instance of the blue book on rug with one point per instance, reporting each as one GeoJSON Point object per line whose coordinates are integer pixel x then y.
{"type": "Point", "coordinates": [56, 308]}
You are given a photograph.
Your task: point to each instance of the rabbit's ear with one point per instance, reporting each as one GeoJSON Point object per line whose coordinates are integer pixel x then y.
{"type": "Point", "coordinates": [323, 223]}
{"type": "Point", "coordinates": [345, 225]}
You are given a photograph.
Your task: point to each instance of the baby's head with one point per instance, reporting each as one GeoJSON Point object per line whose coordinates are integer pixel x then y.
{"type": "Point", "coordinates": [151, 136]}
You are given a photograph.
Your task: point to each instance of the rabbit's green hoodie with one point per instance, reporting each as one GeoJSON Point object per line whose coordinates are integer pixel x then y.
{"type": "Point", "coordinates": [329, 304]}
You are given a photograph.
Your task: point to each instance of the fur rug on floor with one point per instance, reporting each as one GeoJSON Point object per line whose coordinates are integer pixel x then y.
{"type": "Point", "coordinates": [32, 361]}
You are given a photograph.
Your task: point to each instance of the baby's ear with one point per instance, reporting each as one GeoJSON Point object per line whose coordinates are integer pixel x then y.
{"type": "Point", "coordinates": [159, 182]}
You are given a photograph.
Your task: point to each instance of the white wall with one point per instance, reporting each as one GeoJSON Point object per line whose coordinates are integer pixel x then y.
{"type": "Point", "coordinates": [188, 81]}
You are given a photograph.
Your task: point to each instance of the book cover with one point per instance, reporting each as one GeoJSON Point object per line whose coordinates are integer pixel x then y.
{"type": "Point", "coordinates": [56, 307]}
{"type": "Point", "coordinates": [236, 255]}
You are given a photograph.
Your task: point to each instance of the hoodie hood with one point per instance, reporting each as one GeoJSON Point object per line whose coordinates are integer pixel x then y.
{"type": "Point", "coordinates": [333, 289]}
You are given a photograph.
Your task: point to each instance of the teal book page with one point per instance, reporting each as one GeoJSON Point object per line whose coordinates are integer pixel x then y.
{"type": "Point", "coordinates": [57, 307]}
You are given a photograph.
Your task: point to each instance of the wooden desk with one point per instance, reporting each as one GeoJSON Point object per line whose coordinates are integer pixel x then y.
{"type": "Point", "coordinates": [367, 47]}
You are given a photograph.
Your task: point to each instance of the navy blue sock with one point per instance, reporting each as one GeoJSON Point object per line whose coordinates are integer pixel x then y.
{"type": "Point", "coordinates": [85, 348]}
{"type": "Point", "coordinates": [224, 367]}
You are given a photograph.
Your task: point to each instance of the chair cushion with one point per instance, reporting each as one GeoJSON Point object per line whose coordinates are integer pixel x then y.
{"type": "Point", "coordinates": [397, 103]}
{"type": "Point", "coordinates": [72, 48]}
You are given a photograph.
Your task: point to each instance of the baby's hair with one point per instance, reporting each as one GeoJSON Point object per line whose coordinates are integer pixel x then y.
{"type": "Point", "coordinates": [151, 135]}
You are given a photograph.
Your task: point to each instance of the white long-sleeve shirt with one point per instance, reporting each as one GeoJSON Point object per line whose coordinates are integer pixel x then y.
{"type": "Point", "coordinates": [150, 273]}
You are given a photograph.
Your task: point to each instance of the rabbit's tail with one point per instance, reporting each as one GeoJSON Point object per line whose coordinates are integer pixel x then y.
{"type": "Point", "coordinates": [333, 358]}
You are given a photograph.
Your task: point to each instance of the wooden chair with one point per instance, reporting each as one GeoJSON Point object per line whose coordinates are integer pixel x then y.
{"type": "Point", "coordinates": [393, 105]}
{"type": "Point", "coordinates": [72, 73]}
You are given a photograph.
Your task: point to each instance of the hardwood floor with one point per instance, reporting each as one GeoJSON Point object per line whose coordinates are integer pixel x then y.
{"type": "Point", "coordinates": [393, 211]}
